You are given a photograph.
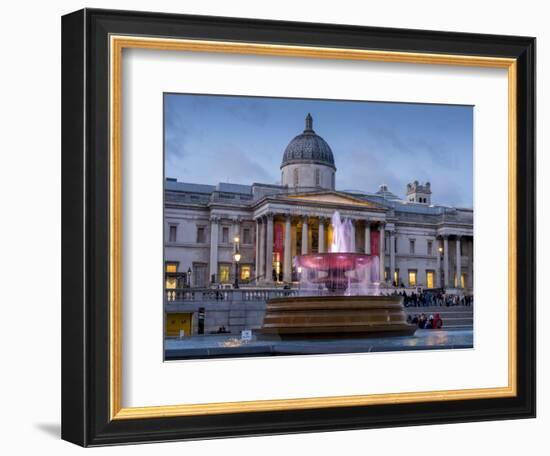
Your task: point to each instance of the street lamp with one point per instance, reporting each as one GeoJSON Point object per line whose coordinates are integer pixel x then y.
{"type": "Point", "coordinates": [189, 277]}
{"type": "Point", "coordinates": [237, 258]}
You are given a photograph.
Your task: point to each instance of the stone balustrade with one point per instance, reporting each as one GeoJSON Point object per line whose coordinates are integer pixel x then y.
{"type": "Point", "coordinates": [196, 295]}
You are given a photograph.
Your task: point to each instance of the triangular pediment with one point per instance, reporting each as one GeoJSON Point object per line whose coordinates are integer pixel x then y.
{"type": "Point", "coordinates": [332, 198]}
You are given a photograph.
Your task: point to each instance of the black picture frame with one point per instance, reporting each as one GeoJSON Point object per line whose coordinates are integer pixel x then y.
{"type": "Point", "coordinates": [85, 228]}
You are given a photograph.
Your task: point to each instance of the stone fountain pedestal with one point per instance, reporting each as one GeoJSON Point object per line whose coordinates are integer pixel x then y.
{"type": "Point", "coordinates": [336, 317]}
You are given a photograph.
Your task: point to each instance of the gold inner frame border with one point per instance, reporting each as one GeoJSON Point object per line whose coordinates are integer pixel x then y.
{"type": "Point", "coordinates": [116, 46]}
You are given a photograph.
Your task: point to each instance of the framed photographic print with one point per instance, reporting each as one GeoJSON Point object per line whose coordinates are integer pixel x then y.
{"type": "Point", "coordinates": [278, 227]}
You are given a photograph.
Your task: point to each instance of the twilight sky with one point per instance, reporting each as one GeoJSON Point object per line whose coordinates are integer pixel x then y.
{"type": "Point", "coordinates": [211, 139]}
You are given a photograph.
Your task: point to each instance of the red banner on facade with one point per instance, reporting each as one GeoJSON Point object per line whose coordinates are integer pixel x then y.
{"type": "Point", "coordinates": [374, 242]}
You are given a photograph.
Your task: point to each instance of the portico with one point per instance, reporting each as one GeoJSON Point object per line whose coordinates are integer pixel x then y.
{"type": "Point", "coordinates": [456, 257]}
{"type": "Point", "coordinates": [300, 225]}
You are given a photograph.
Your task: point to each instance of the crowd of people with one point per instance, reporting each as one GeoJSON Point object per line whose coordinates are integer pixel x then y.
{"type": "Point", "coordinates": [424, 322]}
{"type": "Point", "coordinates": [428, 299]}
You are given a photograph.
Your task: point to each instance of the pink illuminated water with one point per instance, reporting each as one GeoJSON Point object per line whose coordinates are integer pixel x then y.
{"type": "Point", "coordinates": [340, 271]}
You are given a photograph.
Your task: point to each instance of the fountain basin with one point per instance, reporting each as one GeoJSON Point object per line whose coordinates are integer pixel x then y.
{"type": "Point", "coordinates": [336, 317]}
{"type": "Point", "coordinates": [344, 261]}
{"type": "Point", "coordinates": [336, 271]}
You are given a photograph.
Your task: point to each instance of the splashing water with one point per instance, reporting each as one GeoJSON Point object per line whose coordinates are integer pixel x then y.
{"type": "Point", "coordinates": [340, 271]}
{"type": "Point", "coordinates": [341, 234]}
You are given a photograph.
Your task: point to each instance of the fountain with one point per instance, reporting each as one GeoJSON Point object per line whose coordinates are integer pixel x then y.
{"type": "Point", "coordinates": [339, 296]}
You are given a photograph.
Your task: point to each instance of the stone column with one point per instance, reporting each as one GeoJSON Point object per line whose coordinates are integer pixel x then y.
{"type": "Point", "coordinates": [269, 249]}
{"type": "Point", "coordinates": [287, 266]}
{"type": "Point", "coordinates": [392, 255]}
{"type": "Point", "coordinates": [305, 237]}
{"type": "Point", "coordinates": [257, 241]}
{"type": "Point", "coordinates": [214, 231]}
{"type": "Point", "coordinates": [322, 241]}
{"type": "Point", "coordinates": [367, 237]}
{"type": "Point", "coordinates": [261, 261]}
{"type": "Point", "coordinates": [458, 263]}
{"type": "Point", "coordinates": [470, 268]}
{"type": "Point", "coordinates": [440, 264]}
{"type": "Point", "coordinates": [446, 260]}
{"type": "Point", "coordinates": [352, 240]}
{"type": "Point", "coordinates": [382, 251]}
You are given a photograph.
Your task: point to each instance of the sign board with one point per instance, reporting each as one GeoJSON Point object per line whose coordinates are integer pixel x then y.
{"type": "Point", "coordinates": [246, 335]}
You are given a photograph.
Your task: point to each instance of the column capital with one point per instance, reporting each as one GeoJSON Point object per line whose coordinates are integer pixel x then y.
{"type": "Point", "coordinates": [269, 215]}
{"type": "Point", "coordinates": [215, 218]}
{"type": "Point", "coordinates": [458, 237]}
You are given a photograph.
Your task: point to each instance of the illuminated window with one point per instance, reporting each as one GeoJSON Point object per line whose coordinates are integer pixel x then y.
{"type": "Point", "coordinates": [173, 233]}
{"type": "Point", "coordinates": [430, 279]}
{"type": "Point", "coordinates": [171, 278]}
{"type": "Point", "coordinates": [386, 274]}
{"type": "Point", "coordinates": [245, 272]}
{"type": "Point", "coordinates": [224, 272]}
{"type": "Point", "coordinates": [412, 278]}
{"type": "Point", "coordinates": [396, 277]}
{"type": "Point", "coordinates": [462, 280]}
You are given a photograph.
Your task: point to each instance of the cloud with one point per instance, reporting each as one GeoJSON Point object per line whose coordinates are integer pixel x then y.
{"type": "Point", "coordinates": [228, 163]}
{"type": "Point", "coordinates": [249, 111]}
{"type": "Point", "coordinates": [388, 157]}
{"type": "Point", "coordinates": [213, 139]}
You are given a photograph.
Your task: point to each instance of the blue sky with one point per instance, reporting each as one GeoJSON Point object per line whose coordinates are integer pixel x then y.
{"type": "Point", "coordinates": [211, 139]}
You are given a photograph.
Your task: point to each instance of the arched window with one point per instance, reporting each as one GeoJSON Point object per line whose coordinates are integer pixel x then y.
{"type": "Point", "coordinates": [317, 178]}
{"type": "Point", "coordinates": [296, 179]}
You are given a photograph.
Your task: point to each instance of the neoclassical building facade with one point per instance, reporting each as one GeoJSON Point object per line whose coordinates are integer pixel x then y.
{"type": "Point", "coordinates": [420, 244]}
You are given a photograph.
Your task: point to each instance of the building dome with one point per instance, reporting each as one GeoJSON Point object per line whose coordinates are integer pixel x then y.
{"type": "Point", "coordinates": [308, 147]}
